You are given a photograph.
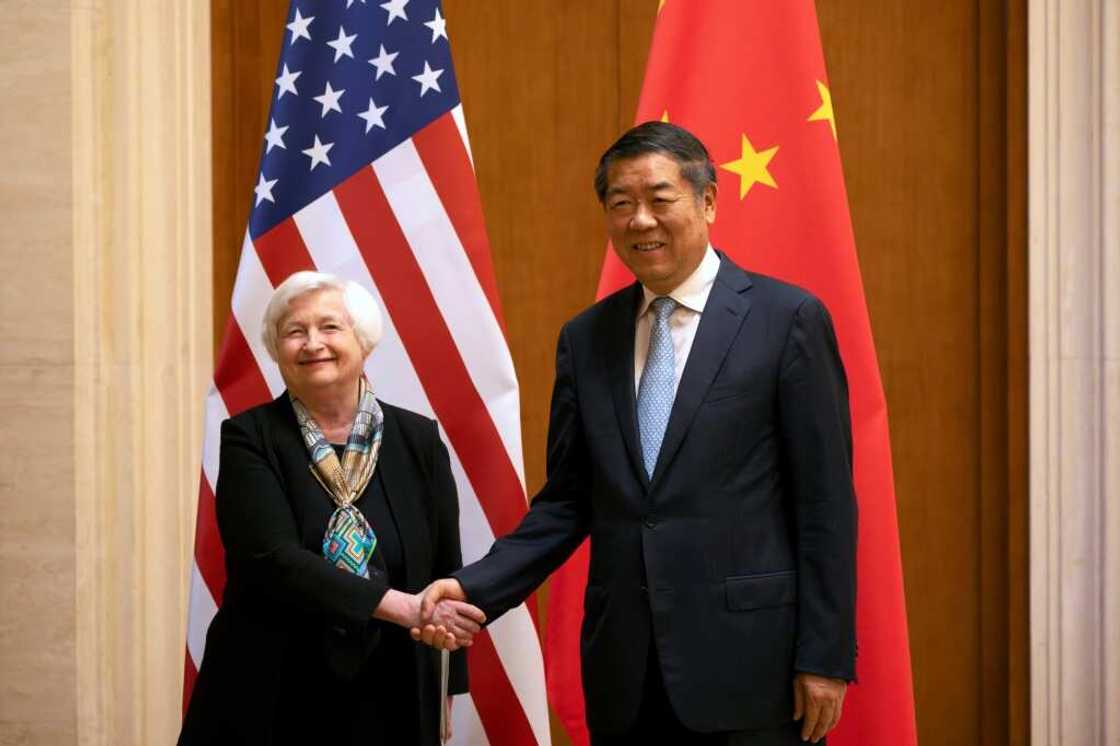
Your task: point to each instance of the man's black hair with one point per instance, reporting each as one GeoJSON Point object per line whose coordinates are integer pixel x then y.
{"type": "Point", "coordinates": [660, 137]}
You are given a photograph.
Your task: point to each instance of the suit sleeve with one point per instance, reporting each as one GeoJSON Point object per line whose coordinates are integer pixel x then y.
{"type": "Point", "coordinates": [817, 446]}
{"type": "Point", "coordinates": [559, 516]}
{"type": "Point", "coordinates": [261, 539]}
{"type": "Point", "coordinates": [448, 553]}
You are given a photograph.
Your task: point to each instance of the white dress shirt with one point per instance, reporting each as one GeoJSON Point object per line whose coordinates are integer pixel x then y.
{"type": "Point", "coordinates": [691, 297]}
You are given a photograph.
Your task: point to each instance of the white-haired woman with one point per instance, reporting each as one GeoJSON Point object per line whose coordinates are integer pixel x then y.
{"type": "Point", "coordinates": [335, 510]}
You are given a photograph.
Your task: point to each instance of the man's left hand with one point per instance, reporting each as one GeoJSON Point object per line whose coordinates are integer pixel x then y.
{"type": "Point", "coordinates": [817, 703]}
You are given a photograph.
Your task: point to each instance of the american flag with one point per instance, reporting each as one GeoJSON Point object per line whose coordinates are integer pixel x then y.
{"type": "Point", "coordinates": [366, 172]}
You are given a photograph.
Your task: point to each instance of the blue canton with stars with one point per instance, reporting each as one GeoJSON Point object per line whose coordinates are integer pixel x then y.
{"type": "Point", "coordinates": [355, 79]}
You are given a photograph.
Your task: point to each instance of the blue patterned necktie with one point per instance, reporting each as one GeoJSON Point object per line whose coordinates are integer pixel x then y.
{"type": "Point", "coordinates": [655, 389]}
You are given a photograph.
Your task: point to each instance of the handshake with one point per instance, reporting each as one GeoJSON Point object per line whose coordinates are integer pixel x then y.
{"type": "Point", "coordinates": [445, 620]}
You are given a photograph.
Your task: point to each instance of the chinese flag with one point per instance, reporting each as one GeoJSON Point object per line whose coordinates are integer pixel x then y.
{"type": "Point", "coordinates": [748, 78]}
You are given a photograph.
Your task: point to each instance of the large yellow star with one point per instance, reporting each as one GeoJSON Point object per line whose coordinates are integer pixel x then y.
{"type": "Point", "coordinates": [824, 111]}
{"type": "Point", "coordinates": [752, 167]}
{"type": "Point", "coordinates": [665, 116]}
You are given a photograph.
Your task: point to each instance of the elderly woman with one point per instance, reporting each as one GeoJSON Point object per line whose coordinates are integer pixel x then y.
{"type": "Point", "coordinates": [335, 510]}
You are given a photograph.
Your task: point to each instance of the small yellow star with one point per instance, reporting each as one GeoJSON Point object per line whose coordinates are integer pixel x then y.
{"type": "Point", "coordinates": [752, 167]}
{"type": "Point", "coordinates": [660, 5]}
{"type": "Point", "coordinates": [824, 111]}
{"type": "Point", "coordinates": [665, 116]}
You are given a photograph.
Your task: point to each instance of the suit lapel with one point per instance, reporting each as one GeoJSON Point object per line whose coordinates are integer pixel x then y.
{"type": "Point", "coordinates": [618, 337]}
{"type": "Point", "coordinates": [724, 313]}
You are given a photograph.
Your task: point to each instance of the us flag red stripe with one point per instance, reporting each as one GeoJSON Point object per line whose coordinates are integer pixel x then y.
{"type": "Point", "coordinates": [377, 185]}
{"type": "Point", "coordinates": [448, 164]}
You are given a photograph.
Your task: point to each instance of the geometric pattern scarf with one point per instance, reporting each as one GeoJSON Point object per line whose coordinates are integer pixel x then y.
{"type": "Point", "coordinates": [349, 540]}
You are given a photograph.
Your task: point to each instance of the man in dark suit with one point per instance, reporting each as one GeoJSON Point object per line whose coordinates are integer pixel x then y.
{"type": "Point", "coordinates": [700, 435]}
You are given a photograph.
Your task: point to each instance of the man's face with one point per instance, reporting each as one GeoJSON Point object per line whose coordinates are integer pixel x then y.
{"type": "Point", "coordinates": [656, 223]}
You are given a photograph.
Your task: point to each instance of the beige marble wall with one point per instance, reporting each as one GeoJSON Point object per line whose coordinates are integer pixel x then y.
{"type": "Point", "coordinates": [105, 354]}
{"type": "Point", "coordinates": [37, 555]}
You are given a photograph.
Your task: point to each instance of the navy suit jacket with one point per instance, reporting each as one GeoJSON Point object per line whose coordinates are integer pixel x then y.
{"type": "Point", "coordinates": [737, 558]}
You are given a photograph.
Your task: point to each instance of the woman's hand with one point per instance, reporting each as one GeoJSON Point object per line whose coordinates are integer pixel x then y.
{"type": "Point", "coordinates": [399, 608]}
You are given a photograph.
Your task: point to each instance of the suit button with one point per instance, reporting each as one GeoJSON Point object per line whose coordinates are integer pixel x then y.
{"type": "Point", "coordinates": [650, 523]}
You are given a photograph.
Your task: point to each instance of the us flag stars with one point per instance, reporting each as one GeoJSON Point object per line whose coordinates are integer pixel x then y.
{"type": "Point", "coordinates": [389, 59]}
{"type": "Point", "coordinates": [438, 27]}
{"type": "Point", "coordinates": [373, 115]}
{"type": "Point", "coordinates": [383, 63]}
{"type": "Point", "coordinates": [263, 190]}
{"type": "Point", "coordinates": [329, 99]}
{"type": "Point", "coordinates": [274, 137]}
{"type": "Point", "coordinates": [428, 80]}
{"type": "Point", "coordinates": [298, 27]}
{"type": "Point", "coordinates": [318, 153]}
{"type": "Point", "coordinates": [287, 83]}
{"type": "Point", "coordinates": [341, 45]}
{"type": "Point", "coordinates": [396, 10]}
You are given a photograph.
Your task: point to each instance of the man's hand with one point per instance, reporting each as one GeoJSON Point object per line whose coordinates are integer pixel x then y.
{"type": "Point", "coordinates": [817, 702]}
{"type": "Point", "coordinates": [448, 621]}
{"type": "Point", "coordinates": [458, 619]}
{"type": "Point", "coordinates": [437, 590]}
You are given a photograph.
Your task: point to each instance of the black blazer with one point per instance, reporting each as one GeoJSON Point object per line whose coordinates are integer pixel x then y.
{"type": "Point", "coordinates": [738, 556]}
{"type": "Point", "coordinates": [289, 621]}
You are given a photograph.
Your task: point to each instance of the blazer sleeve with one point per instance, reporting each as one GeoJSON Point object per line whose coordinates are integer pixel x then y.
{"type": "Point", "coordinates": [261, 538]}
{"type": "Point", "coordinates": [816, 437]}
{"type": "Point", "coordinates": [448, 555]}
{"type": "Point", "coordinates": [559, 517]}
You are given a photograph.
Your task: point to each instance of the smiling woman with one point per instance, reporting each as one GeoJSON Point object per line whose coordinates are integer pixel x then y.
{"type": "Point", "coordinates": [335, 509]}
{"type": "Point", "coordinates": [320, 332]}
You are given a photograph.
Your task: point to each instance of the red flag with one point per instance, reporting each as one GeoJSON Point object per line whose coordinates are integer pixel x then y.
{"type": "Point", "coordinates": [748, 78]}
{"type": "Point", "coordinates": [366, 173]}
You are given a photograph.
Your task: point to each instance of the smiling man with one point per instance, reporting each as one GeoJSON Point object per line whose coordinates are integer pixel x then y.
{"type": "Point", "coordinates": [700, 435]}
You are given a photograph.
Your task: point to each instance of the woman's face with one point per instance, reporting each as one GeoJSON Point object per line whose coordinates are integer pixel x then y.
{"type": "Point", "coordinates": [317, 346]}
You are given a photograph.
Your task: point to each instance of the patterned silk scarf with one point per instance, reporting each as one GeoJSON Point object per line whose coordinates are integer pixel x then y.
{"type": "Point", "coordinates": [349, 541]}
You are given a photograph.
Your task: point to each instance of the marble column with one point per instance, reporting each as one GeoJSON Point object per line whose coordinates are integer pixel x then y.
{"type": "Point", "coordinates": [106, 321]}
{"type": "Point", "coordinates": [1074, 133]}
{"type": "Point", "coordinates": [142, 341]}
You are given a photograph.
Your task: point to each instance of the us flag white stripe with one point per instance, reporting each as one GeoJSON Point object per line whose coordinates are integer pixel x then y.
{"type": "Point", "coordinates": [215, 414]}
{"type": "Point", "coordinates": [461, 125]}
{"type": "Point", "coordinates": [202, 607]}
{"type": "Point", "coordinates": [248, 309]}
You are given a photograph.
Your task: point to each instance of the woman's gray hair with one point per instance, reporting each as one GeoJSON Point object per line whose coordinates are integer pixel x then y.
{"type": "Point", "coordinates": [364, 313]}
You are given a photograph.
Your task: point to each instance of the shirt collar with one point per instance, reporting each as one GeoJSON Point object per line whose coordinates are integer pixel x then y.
{"type": "Point", "coordinates": [693, 292]}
